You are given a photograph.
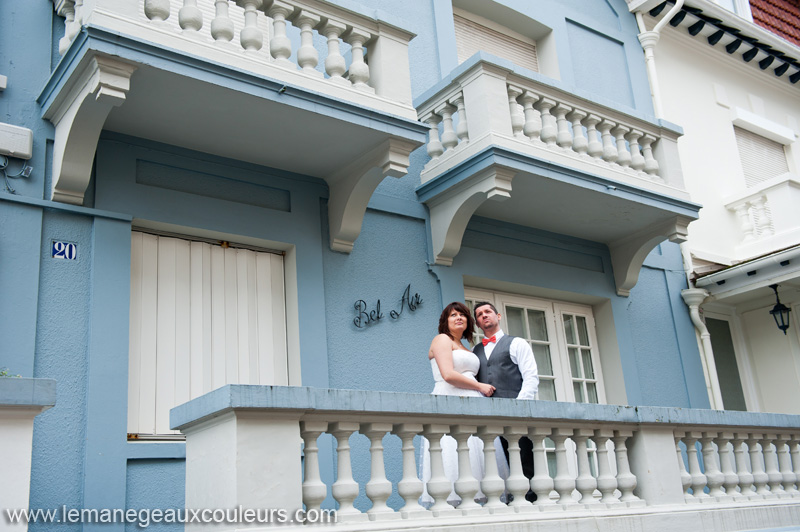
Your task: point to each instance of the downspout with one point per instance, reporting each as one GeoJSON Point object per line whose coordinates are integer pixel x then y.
{"type": "Point", "coordinates": [648, 40]}
{"type": "Point", "coordinates": [694, 297]}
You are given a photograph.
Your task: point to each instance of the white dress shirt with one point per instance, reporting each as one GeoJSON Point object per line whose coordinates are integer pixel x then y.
{"type": "Point", "coordinates": [522, 356]}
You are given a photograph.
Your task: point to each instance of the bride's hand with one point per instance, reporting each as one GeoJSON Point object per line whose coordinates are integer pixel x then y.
{"type": "Point", "coordinates": [486, 389]}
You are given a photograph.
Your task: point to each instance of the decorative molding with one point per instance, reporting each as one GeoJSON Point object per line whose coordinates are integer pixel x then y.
{"type": "Point", "coordinates": [351, 189]}
{"type": "Point", "coordinates": [94, 88]}
{"type": "Point", "coordinates": [628, 254]}
{"type": "Point", "coordinates": [452, 210]}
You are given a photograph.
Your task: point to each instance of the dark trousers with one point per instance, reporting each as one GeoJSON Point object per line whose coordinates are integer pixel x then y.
{"type": "Point", "coordinates": [526, 457]}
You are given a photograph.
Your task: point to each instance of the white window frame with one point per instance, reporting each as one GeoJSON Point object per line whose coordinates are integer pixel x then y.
{"type": "Point", "coordinates": [554, 312]}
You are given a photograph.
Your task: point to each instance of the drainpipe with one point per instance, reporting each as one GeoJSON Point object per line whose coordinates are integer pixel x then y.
{"type": "Point", "coordinates": [694, 297]}
{"type": "Point", "coordinates": [648, 40]}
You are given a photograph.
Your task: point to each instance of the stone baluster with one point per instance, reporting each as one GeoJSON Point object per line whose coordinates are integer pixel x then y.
{"type": "Point", "coordinates": [307, 54]}
{"type": "Point", "coordinates": [345, 489]}
{"type": "Point", "coordinates": [794, 452]}
{"type": "Point", "coordinates": [563, 135]}
{"type": "Point", "coordinates": [763, 220]}
{"type": "Point", "coordinates": [742, 471]}
{"type": "Point", "coordinates": [462, 128]}
{"type": "Point", "coordinates": [533, 123]}
{"type": "Point", "coordinates": [190, 18]}
{"type": "Point", "coordinates": [785, 464]}
{"type": "Point", "coordinates": [335, 64]}
{"type": "Point", "coordinates": [66, 9]}
{"type": "Point", "coordinates": [564, 484]}
{"type": "Point", "coordinates": [280, 46]}
{"type": "Point", "coordinates": [222, 25]}
{"type": "Point", "coordinates": [686, 478]}
{"type": "Point", "coordinates": [595, 147]}
{"type": "Point", "coordinates": [549, 131]}
{"type": "Point", "coordinates": [314, 490]}
{"type": "Point", "coordinates": [410, 486]}
{"type": "Point", "coordinates": [742, 211]}
{"type": "Point", "coordinates": [714, 477]}
{"type": "Point", "coordinates": [492, 484]}
{"type": "Point", "coordinates": [154, 10]}
{"type": "Point", "coordinates": [580, 144]}
{"type": "Point", "coordinates": [606, 481]}
{"type": "Point", "coordinates": [516, 483]}
{"type": "Point", "coordinates": [730, 479]}
{"type": "Point", "coordinates": [467, 486]}
{"type": "Point", "coordinates": [434, 148]}
{"type": "Point", "coordinates": [449, 137]}
{"type": "Point", "coordinates": [626, 481]}
{"type": "Point", "coordinates": [609, 150]}
{"type": "Point", "coordinates": [359, 70]}
{"type": "Point", "coordinates": [699, 480]}
{"type": "Point", "coordinates": [760, 477]}
{"type": "Point", "coordinates": [637, 159]}
{"type": "Point", "coordinates": [541, 483]}
{"type": "Point", "coordinates": [378, 489]}
{"type": "Point", "coordinates": [517, 117]}
{"type": "Point", "coordinates": [650, 163]}
{"type": "Point", "coordinates": [251, 37]}
{"type": "Point", "coordinates": [774, 477]}
{"type": "Point", "coordinates": [624, 156]}
{"type": "Point", "coordinates": [439, 486]}
{"type": "Point", "coordinates": [585, 483]}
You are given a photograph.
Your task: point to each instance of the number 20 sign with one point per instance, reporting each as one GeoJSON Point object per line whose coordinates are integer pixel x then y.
{"type": "Point", "coordinates": [64, 250]}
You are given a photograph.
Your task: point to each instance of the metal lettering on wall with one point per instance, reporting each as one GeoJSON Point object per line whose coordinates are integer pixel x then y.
{"type": "Point", "coordinates": [365, 316]}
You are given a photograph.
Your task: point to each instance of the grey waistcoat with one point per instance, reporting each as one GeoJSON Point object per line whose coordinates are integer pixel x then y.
{"type": "Point", "coordinates": [500, 371]}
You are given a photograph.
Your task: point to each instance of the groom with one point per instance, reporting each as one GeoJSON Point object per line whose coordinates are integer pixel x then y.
{"type": "Point", "coordinates": [507, 363]}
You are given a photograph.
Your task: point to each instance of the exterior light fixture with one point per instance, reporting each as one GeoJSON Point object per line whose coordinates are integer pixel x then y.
{"type": "Point", "coordinates": [780, 312]}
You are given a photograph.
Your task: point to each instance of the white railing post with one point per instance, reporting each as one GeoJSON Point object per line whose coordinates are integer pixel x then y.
{"type": "Point", "coordinates": [516, 483]}
{"type": "Point", "coordinates": [541, 483]}
{"type": "Point", "coordinates": [714, 477]}
{"type": "Point", "coordinates": [654, 463]}
{"type": "Point", "coordinates": [439, 486]}
{"type": "Point", "coordinates": [745, 476]}
{"type": "Point", "coordinates": [606, 481]}
{"type": "Point", "coordinates": [564, 482]}
{"type": "Point", "coordinates": [585, 483]}
{"type": "Point", "coordinates": [466, 486]}
{"type": "Point", "coordinates": [314, 490]}
{"type": "Point", "coordinates": [492, 485]}
{"type": "Point", "coordinates": [345, 489]}
{"type": "Point", "coordinates": [410, 486]}
{"type": "Point", "coordinates": [378, 489]}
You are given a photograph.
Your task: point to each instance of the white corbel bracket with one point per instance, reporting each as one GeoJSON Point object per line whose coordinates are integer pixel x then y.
{"type": "Point", "coordinates": [628, 254]}
{"type": "Point", "coordinates": [451, 210]}
{"type": "Point", "coordinates": [78, 115]}
{"type": "Point", "coordinates": [352, 187]}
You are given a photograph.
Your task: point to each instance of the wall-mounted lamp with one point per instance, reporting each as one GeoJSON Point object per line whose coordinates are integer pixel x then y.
{"type": "Point", "coordinates": [780, 312]}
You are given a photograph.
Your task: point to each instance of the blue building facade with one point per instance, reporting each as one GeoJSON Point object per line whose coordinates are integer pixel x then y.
{"type": "Point", "coordinates": [70, 319]}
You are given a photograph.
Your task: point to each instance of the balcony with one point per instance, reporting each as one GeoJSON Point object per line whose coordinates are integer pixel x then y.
{"type": "Point", "coordinates": [578, 167]}
{"type": "Point", "coordinates": [303, 86]}
{"type": "Point", "coordinates": [595, 466]}
{"type": "Point", "coordinates": [21, 400]}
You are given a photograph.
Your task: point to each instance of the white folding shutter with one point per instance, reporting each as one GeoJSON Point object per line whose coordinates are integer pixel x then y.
{"type": "Point", "coordinates": [201, 317]}
{"type": "Point", "coordinates": [762, 158]}
{"type": "Point", "coordinates": [472, 37]}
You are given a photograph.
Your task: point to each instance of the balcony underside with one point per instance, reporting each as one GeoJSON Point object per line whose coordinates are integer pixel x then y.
{"type": "Point", "coordinates": [140, 90]}
{"type": "Point", "coordinates": [505, 185]}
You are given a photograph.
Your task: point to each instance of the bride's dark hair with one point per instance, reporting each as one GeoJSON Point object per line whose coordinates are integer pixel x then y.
{"type": "Point", "coordinates": [462, 309]}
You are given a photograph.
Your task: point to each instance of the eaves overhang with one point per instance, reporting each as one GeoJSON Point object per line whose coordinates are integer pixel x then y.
{"type": "Point", "coordinates": [502, 184]}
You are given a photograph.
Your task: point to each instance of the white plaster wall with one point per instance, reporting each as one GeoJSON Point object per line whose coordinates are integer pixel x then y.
{"type": "Point", "coordinates": [700, 86]}
{"type": "Point", "coordinates": [775, 359]}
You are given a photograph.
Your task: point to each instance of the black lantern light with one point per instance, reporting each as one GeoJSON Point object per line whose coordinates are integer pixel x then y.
{"type": "Point", "coordinates": [780, 311]}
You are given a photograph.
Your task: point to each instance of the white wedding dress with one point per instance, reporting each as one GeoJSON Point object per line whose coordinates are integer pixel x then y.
{"type": "Point", "coordinates": [466, 363]}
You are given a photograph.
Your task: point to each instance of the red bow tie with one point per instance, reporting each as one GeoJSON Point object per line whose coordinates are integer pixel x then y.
{"type": "Point", "coordinates": [488, 341]}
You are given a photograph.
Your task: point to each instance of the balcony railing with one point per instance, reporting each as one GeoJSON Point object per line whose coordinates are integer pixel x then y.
{"type": "Point", "coordinates": [630, 467]}
{"type": "Point", "coordinates": [767, 215]}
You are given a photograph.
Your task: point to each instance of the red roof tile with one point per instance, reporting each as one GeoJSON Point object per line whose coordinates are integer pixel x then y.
{"type": "Point", "coordinates": [781, 17]}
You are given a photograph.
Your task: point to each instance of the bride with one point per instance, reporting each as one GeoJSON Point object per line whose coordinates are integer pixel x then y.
{"type": "Point", "coordinates": [454, 369]}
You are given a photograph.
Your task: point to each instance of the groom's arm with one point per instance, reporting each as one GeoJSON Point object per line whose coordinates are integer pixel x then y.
{"type": "Point", "coordinates": [522, 356]}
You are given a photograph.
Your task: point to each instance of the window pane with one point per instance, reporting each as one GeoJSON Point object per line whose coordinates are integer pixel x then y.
{"type": "Point", "coordinates": [537, 325]}
{"type": "Point", "coordinates": [588, 369]}
{"type": "Point", "coordinates": [547, 390]}
{"type": "Point", "coordinates": [583, 333]}
{"type": "Point", "coordinates": [574, 362]}
{"type": "Point", "coordinates": [514, 319]}
{"type": "Point", "coordinates": [569, 328]}
{"type": "Point", "coordinates": [578, 389]}
{"type": "Point", "coordinates": [592, 391]}
{"type": "Point", "coordinates": [541, 353]}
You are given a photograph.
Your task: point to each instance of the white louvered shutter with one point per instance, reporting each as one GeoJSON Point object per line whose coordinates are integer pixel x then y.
{"type": "Point", "coordinates": [472, 37]}
{"type": "Point", "coordinates": [762, 158]}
